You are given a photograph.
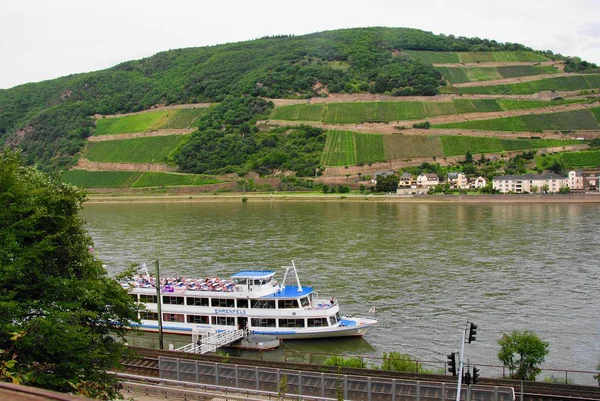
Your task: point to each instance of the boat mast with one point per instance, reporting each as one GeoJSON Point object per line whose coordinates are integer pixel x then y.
{"type": "Point", "coordinates": [293, 272]}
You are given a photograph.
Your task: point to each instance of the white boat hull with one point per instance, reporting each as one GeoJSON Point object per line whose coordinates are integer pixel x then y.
{"type": "Point", "coordinates": [355, 327]}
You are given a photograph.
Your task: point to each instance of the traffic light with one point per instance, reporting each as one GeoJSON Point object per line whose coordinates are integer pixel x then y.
{"type": "Point", "coordinates": [467, 378]}
{"type": "Point", "coordinates": [475, 375]}
{"type": "Point", "coordinates": [452, 363]}
{"type": "Point", "coordinates": [472, 332]}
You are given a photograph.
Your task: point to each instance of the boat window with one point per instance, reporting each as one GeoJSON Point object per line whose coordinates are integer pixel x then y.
{"type": "Point", "coordinates": [134, 297]}
{"type": "Point", "coordinates": [337, 316]}
{"type": "Point", "coordinates": [148, 299]}
{"type": "Point", "coordinates": [242, 303]}
{"type": "Point", "coordinates": [223, 320]}
{"type": "Point", "coordinates": [173, 317]}
{"type": "Point", "coordinates": [223, 303]}
{"type": "Point", "coordinates": [167, 300]}
{"type": "Point", "coordinates": [304, 302]}
{"type": "Point", "coordinates": [291, 322]}
{"type": "Point", "coordinates": [241, 281]}
{"type": "Point", "coordinates": [287, 304]}
{"type": "Point", "coordinates": [149, 315]}
{"type": "Point", "coordinates": [197, 301]}
{"type": "Point", "coordinates": [317, 322]}
{"type": "Point", "coordinates": [197, 319]}
{"type": "Point", "coordinates": [331, 320]}
{"type": "Point", "coordinates": [256, 282]}
{"type": "Point", "coordinates": [262, 322]}
{"type": "Point", "coordinates": [263, 303]}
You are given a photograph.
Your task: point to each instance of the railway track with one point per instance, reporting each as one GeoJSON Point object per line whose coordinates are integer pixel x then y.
{"type": "Point", "coordinates": [147, 364]}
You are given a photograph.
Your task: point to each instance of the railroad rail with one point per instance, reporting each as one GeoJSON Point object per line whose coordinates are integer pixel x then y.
{"type": "Point", "coordinates": [147, 364]}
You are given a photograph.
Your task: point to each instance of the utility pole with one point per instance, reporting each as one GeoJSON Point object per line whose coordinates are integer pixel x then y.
{"type": "Point", "coordinates": [472, 327]}
{"type": "Point", "coordinates": [158, 307]}
{"type": "Point", "coordinates": [460, 364]}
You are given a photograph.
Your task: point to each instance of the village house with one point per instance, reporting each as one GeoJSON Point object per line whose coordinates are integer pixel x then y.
{"type": "Point", "coordinates": [458, 180]}
{"type": "Point", "coordinates": [583, 181]}
{"type": "Point", "coordinates": [529, 183]}
{"type": "Point", "coordinates": [409, 186]}
{"type": "Point", "coordinates": [479, 183]}
{"type": "Point", "coordinates": [428, 180]}
{"type": "Point", "coordinates": [407, 180]}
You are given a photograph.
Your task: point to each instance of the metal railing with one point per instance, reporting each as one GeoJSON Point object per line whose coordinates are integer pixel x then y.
{"type": "Point", "coordinates": [321, 385]}
{"type": "Point", "coordinates": [571, 376]}
{"type": "Point", "coordinates": [165, 388]}
{"type": "Point", "coordinates": [209, 342]}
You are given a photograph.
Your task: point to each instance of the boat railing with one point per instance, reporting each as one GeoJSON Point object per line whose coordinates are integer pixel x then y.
{"type": "Point", "coordinates": [210, 341]}
{"type": "Point", "coordinates": [322, 301]}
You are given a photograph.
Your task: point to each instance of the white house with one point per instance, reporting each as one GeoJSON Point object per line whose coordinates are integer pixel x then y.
{"type": "Point", "coordinates": [479, 183]}
{"type": "Point", "coordinates": [528, 183]}
{"type": "Point", "coordinates": [576, 180]}
{"type": "Point", "coordinates": [428, 180]}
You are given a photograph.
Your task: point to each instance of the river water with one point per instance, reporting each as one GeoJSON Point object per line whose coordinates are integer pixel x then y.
{"type": "Point", "coordinates": [427, 268]}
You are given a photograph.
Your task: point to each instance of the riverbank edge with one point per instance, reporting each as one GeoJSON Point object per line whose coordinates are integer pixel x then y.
{"type": "Point", "coordinates": [293, 197]}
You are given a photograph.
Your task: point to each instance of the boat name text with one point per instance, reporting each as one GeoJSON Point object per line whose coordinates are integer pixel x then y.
{"type": "Point", "coordinates": [229, 312]}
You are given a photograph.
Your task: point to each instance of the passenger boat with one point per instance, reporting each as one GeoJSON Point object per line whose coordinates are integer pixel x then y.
{"type": "Point", "coordinates": [250, 299]}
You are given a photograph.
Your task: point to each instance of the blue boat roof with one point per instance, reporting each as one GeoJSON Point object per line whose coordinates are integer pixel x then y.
{"type": "Point", "coordinates": [291, 291]}
{"type": "Point", "coordinates": [253, 274]}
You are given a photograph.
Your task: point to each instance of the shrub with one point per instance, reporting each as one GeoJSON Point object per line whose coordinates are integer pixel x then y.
{"type": "Point", "coordinates": [398, 362]}
{"type": "Point", "coordinates": [424, 125]}
{"type": "Point", "coordinates": [350, 362]}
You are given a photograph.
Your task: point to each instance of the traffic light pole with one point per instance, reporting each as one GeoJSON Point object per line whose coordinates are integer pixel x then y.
{"type": "Point", "coordinates": [460, 364]}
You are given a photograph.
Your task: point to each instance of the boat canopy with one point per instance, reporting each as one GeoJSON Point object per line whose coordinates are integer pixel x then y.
{"type": "Point", "coordinates": [253, 274]}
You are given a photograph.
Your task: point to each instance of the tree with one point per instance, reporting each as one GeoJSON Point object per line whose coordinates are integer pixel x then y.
{"type": "Point", "coordinates": [556, 167]}
{"type": "Point", "coordinates": [522, 352]}
{"type": "Point", "coordinates": [469, 157]}
{"type": "Point", "coordinates": [61, 316]}
{"type": "Point", "coordinates": [388, 183]}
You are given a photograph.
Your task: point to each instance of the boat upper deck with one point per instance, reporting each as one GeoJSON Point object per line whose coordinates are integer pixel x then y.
{"type": "Point", "coordinates": [247, 281]}
{"type": "Point", "coordinates": [181, 284]}
{"type": "Point", "coordinates": [253, 274]}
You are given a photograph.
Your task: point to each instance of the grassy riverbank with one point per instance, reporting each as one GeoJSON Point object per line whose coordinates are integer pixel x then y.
{"type": "Point", "coordinates": [319, 197]}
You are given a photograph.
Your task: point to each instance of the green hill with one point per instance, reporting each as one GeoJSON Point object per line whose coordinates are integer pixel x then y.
{"type": "Point", "coordinates": [51, 120]}
{"type": "Point", "coordinates": [55, 114]}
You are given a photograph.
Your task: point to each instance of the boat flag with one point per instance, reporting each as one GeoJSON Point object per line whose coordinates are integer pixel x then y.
{"type": "Point", "coordinates": [373, 310]}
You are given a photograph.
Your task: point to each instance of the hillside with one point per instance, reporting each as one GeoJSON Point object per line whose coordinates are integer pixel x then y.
{"type": "Point", "coordinates": [50, 119]}
{"type": "Point", "coordinates": [377, 81]}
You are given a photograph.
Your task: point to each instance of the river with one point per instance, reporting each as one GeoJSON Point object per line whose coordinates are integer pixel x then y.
{"type": "Point", "coordinates": [427, 268]}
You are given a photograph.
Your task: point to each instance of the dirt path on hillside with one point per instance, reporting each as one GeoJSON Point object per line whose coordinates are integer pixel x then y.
{"type": "Point", "coordinates": [449, 118]}
{"type": "Point", "coordinates": [155, 108]}
{"type": "Point", "coordinates": [389, 129]}
{"type": "Point", "coordinates": [160, 132]}
{"type": "Point", "coordinates": [85, 164]}
{"type": "Point", "coordinates": [556, 64]}
{"type": "Point", "coordinates": [366, 97]}
{"type": "Point", "coordinates": [515, 80]}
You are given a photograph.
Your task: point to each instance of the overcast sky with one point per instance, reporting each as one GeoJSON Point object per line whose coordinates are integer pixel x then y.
{"type": "Point", "coordinates": [43, 39]}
